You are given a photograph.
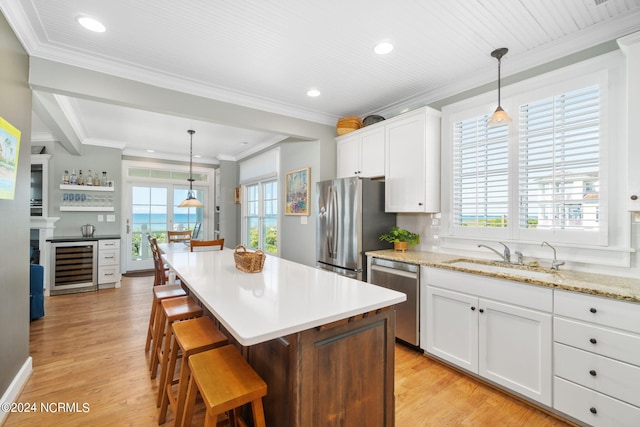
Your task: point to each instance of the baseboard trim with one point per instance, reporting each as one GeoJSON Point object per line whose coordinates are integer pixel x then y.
{"type": "Point", "coordinates": [16, 386]}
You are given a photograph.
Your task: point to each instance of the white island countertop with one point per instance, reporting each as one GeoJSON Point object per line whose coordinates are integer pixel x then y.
{"type": "Point", "coordinates": [285, 298]}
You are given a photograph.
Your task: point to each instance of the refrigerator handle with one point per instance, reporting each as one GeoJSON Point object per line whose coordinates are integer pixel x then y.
{"type": "Point", "coordinates": [330, 221]}
{"type": "Point", "coordinates": [334, 225]}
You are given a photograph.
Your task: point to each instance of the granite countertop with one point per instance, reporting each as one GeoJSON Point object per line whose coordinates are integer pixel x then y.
{"type": "Point", "coordinates": [618, 287]}
{"type": "Point", "coordinates": [60, 239]}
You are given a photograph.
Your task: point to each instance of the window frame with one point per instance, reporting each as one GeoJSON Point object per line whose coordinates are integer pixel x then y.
{"type": "Point", "coordinates": [476, 107]}
{"type": "Point", "coordinates": [261, 216]}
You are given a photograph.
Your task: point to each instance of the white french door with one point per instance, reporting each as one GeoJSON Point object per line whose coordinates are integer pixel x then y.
{"type": "Point", "coordinates": [153, 209]}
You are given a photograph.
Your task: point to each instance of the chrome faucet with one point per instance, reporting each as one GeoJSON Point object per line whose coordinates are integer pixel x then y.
{"type": "Point", "coordinates": [506, 256]}
{"type": "Point", "coordinates": [520, 258]}
{"type": "Point", "coordinates": [555, 263]}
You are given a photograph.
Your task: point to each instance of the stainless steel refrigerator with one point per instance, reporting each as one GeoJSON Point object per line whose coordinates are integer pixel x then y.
{"type": "Point", "coordinates": [350, 218]}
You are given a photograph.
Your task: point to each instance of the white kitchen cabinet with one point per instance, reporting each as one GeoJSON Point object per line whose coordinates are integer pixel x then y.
{"type": "Point", "coordinates": [596, 359]}
{"type": "Point", "coordinates": [630, 46]}
{"type": "Point", "coordinates": [361, 153]}
{"type": "Point", "coordinates": [412, 162]}
{"type": "Point", "coordinates": [109, 263]}
{"type": "Point", "coordinates": [498, 329]}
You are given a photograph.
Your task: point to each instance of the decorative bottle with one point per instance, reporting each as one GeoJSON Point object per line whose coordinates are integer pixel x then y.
{"type": "Point", "coordinates": [104, 179]}
{"type": "Point", "coordinates": [96, 179]}
{"type": "Point", "coordinates": [73, 179]}
{"type": "Point", "coordinates": [89, 180]}
{"type": "Point", "coordinates": [80, 178]}
{"type": "Point", "coordinates": [65, 177]}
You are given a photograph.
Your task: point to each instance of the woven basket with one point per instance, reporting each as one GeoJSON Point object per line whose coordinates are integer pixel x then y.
{"type": "Point", "coordinates": [348, 124]}
{"type": "Point", "coordinates": [249, 262]}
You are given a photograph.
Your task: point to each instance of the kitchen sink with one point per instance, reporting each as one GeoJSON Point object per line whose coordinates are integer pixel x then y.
{"type": "Point", "coordinates": [503, 268]}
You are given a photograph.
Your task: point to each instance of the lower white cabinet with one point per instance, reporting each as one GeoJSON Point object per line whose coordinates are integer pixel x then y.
{"type": "Point", "coordinates": [109, 263]}
{"type": "Point", "coordinates": [495, 328]}
{"type": "Point", "coordinates": [597, 359]}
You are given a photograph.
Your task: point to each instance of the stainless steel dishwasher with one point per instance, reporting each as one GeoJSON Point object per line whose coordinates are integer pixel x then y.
{"type": "Point", "coordinates": [405, 278]}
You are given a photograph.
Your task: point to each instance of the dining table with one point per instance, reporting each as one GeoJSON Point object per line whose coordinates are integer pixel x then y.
{"type": "Point", "coordinates": [323, 343]}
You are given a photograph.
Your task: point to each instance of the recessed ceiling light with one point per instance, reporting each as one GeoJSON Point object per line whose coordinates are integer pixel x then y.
{"type": "Point", "coordinates": [313, 93]}
{"type": "Point", "coordinates": [383, 48]}
{"type": "Point", "coordinates": [151, 151]}
{"type": "Point", "coordinates": [197, 155]}
{"type": "Point", "coordinates": [91, 24]}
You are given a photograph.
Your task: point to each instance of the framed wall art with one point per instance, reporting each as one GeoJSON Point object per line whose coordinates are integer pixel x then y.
{"type": "Point", "coordinates": [9, 152]}
{"type": "Point", "coordinates": [297, 192]}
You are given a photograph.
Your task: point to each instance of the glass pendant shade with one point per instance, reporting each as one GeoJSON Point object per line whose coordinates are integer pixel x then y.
{"type": "Point", "coordinates": [499, 117]}
{"type": "Point", "coordinates": [191, 201]}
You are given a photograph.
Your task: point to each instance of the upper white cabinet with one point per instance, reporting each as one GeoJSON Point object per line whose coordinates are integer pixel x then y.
{"type": "Point", "coordinates": [412, 162]}
{"type": "Point", "coordinates": [361, 153]}
{"type": "Point", "coordinates": [630, 46]}
{"type": "Point", "coordinates": [495, 328]}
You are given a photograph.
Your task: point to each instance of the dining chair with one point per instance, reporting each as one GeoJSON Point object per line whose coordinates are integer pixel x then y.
{"type": "Point", "coordinates": [161, 271]}
{"type": "Point", "coordinates": [178, 236]}
{"type": "Point", "coordinates": [207, 244]}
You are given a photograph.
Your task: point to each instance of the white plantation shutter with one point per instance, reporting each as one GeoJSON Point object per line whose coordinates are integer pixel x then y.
{"type": "Point", "coordinates": [559, 162]}
{"type": "Point", "coordinates": [480, 174]}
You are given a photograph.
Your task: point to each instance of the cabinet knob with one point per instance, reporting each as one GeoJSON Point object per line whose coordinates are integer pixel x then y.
{"type": "Point", "coordinates": [634, 197]}
{"type": "Point", "coordinates": [419, 203]}
{"type": "Point", "coordinates": [593, 341]}
{"type": "Point", "coordinates": [481, 310]}
{"type": "Point", "coordinates": [473, 308]}
{"type": "Point", "coordinates": [593, 373]}
{"type": "Point", "coordinates": [593, 310]}
{"type": "Point", "coordinates": [593, 410]}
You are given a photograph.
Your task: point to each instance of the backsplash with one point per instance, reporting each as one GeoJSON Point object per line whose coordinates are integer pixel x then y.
{"type": "Point", "coordinates": [429, 228]}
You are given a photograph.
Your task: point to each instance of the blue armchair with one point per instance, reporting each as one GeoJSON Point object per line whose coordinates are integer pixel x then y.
{"type": "Point", "coordinates": [36, 291]}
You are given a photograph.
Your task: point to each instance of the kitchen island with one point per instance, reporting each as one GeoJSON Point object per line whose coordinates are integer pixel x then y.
{"type": "Point", "coordinates": [323, 343]}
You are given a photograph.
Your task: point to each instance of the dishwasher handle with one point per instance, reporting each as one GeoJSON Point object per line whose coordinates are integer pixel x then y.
{"type": "Point", "coordinates": [394, 271]}
{"type": "Point", "coordinates": [395, 265]}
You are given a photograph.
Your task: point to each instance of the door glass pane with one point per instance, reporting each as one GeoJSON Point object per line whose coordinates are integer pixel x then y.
{"type": "Point", "coordinates": [186, 218]}
{"type": "Point", "coordinates": [149, 215]}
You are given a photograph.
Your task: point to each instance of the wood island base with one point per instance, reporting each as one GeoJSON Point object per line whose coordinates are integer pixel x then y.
{"type": "Point", "coordinates": [341, 374]}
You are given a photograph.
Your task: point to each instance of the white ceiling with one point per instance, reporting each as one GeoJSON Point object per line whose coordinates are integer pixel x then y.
{"type": "Point", "coordinates": [267, 54]}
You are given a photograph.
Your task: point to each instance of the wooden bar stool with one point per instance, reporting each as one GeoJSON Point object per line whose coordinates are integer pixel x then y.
{"type": "Point", "coordinates": [189, 337]}
{"type": "Point", "coordinates": [171, 310]}
{"type": "Point", "coordinates": [160, 293]}
{"type": "Point", "coordinates": [226, 382]}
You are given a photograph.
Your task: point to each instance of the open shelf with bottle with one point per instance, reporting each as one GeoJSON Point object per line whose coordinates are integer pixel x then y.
{"type": "Point", "coordinates": [85, 187]}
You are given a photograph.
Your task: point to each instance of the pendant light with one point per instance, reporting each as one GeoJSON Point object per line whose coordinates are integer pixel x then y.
{"type": "Point", "coordinates": [499, 117]}
{"type": "Point", "coordinates": [191, 201]}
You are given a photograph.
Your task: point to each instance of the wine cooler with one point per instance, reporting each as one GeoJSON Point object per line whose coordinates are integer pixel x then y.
{"type": "Point", "coordinates": [74, 267]}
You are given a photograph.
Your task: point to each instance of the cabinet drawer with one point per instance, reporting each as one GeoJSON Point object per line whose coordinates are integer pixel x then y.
{"type": "Point", "coordinates": [109, 244]}
{"type": "Point", "coordinates": [522, 294]}
{"type": "Point", "coordinates": [108, 257]}
{"type": "Point", "coordinates": [108, 274]}
{"type": "Point", "coordinates": [608, 376]}
{"type": "Point", "coordinates": [592, 407]}
{"type": "Point", "coordinates": [613, 343]}
{"type": "Point", "coordinates": [600, 310]}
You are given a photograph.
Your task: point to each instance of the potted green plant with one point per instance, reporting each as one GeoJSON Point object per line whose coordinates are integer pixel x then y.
{"type": "Point", "coordinates": [402, 239]}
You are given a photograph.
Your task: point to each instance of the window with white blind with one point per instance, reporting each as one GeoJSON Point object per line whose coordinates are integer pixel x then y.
{"type": "Point", "coordinates": [559, 162]}
{"type": "Point", "coordinates": [480, 170]}
{"type": "Point", "coordinates": [539, 178]}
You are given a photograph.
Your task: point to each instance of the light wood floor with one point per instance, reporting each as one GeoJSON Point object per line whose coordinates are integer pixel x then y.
{"type": "Point", "coordinates": [89, 349]}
